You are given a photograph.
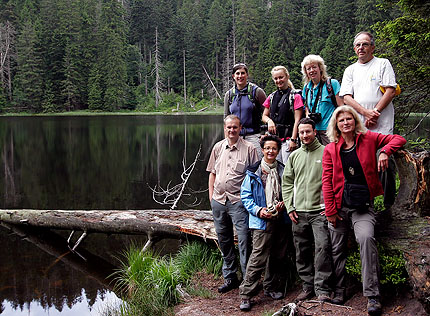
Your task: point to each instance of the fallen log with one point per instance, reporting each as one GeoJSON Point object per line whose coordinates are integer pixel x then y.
{"type": "Point", "coordinates": [156, 224]}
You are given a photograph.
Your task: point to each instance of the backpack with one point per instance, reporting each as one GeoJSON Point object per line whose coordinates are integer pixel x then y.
{"type": "Point", "coordinates": [329, 90]}
{"type": "Point", "coordinates": [252, 88]}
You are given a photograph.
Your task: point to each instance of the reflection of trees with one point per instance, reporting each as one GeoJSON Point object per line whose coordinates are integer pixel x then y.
{"type": "Point", "coordinates": [54, 277]}
{"type": "Point", "coordinates": [100, 162]}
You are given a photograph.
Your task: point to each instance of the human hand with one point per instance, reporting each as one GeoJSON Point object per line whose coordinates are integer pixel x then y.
{"type": "Point", "coordinates": [294, 217]}
{"type": "Point", "coordinates": [265, 214]}
{"type": "Point", "coordinates": [292, 146]}
{"type": "Point", "coordinates": [382, 161]}
{"type": "Point", "coordinates": [271, 126]}
{"type": "Point", "coordinates": [280, 206]}
{"type": "Point", "coordinates": [372, 115]}
{"type": "Point", "coordinates": [333, 218]}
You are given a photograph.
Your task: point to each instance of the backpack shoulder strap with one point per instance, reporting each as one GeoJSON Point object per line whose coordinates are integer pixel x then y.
{"type": "Point", "coordinates": [231, 95]}
{"type": "Point", "coordinates": [330, 91]}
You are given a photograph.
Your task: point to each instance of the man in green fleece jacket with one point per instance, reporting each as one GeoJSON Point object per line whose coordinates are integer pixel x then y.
{"type": "Point", "coordinates": [302, 194]}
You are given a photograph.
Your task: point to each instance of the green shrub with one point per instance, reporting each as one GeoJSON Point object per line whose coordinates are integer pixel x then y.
{"type": "Point", "coordinates": [393, 271]}
{"type": "Point", "coordinates": [150, 282]}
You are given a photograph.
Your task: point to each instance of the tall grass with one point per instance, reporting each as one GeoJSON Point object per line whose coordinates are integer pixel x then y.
{"type": "Point", "coordinates": [149, 282]}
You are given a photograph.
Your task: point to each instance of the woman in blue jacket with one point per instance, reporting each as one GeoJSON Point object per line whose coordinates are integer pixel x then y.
{"type": "Point", "coordinates": [261, 195]}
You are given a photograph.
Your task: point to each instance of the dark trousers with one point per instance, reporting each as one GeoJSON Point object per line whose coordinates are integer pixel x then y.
{"type": "Point", "coordinates": [225, 216]}
{"type": "Point", "coordinates": [314, 266]}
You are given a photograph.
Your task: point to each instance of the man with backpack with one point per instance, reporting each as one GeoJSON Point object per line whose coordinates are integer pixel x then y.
{"type": "Point", "coordinates": [245, 100]}
{"type": "Point", "coordinates": [369, 86]}
{"type": "Point", "coordinates": [321, 94]}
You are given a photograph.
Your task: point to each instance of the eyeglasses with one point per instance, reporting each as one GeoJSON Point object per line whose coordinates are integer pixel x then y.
{"type": "Point", "coordinates": [271, 148]}
{"type": "Point", "coordinates": [358, 45]}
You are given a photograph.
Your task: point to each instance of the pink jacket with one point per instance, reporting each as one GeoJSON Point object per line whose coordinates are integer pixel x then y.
{"type": "Point", "coordinates": [367, 146]}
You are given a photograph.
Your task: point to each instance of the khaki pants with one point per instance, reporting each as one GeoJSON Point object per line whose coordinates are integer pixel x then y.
{"type": "Point", "coordinates": [363, 224]}
{"type": "Point", "coordinates": [269, 252]}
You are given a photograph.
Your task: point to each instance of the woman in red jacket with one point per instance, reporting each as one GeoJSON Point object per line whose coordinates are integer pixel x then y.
{"type": "Point", "coordinates": [350, 182]}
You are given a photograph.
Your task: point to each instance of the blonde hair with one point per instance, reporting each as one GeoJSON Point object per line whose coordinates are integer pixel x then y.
{"type": "Point", "coordinates": [333, 131]}
{"type": "Point", "coordinates": [287, 74]}
{"type": "Point", "coordinates": [311, 59]}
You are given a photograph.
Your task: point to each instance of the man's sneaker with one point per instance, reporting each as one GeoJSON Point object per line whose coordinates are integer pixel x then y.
{"type": "Point", "coordinates": [374, 306]}
{"type": "Point", "coordinates": [229, 284]}
{"type": "Point", "coordinates": [305, 295]}
{"type": "Point", "coordinates": [338, 299]}
{"type": "Point", "coordinates": [324, 298]}
{"type": "Point", "coordinates": [245, 305]}
{"type": "Point", "coordinates": [274, 295]}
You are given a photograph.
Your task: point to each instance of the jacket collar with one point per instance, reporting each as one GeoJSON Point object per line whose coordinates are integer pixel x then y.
{"type": "Point", "coordinates": [312, 146]}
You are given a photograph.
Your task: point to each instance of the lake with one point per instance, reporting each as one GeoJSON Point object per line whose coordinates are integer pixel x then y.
{"type": "Point", "coordinates": [88, 162]}
{"type": "Point", "coordinates": [93, 162]}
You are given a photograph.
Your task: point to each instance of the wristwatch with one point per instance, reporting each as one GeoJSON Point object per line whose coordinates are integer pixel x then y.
{"type": "Point", "coordinates": [294, 140]}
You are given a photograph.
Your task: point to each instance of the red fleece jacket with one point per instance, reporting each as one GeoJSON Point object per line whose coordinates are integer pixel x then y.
{"type": "Point", "coordinates": [367, 145]}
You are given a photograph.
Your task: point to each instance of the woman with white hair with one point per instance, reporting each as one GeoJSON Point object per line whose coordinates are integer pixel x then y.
{"type": "Point", "coordinates": [283, 110]}
{"type": "Point", "coordinates": [321, 94]}
{"type": "Point", "coordinates": [350, 182]}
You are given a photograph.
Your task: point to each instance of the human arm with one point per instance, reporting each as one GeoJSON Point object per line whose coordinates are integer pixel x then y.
{"type": "Point", "coordinates": [371, 115]}
{"type": "Point", "coordinates": [227, 104]}
{"type": "Point", "coordinates": [339, 100]}
{"type": "Point", "coordinates": [211, 182]}
{"type": "Point", "coordinates": [271, 126]}
{"type": "Point", "coordinates": [298, 112]}
{"type": "Point", "coordinates": [287, 186]}
{"type": "Point", "coordinates": [248, 200]}
{"type": "Point", "coordinates": [327, 180]}
{"type": "Point", "coordinates": [389, 144]}
{"type": "Point", "coordinates": [386, 99]}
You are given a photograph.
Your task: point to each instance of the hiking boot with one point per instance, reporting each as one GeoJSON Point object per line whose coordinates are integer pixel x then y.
{"type": "Point", "coordinates": [324, 298]}
{"type": "Point", "coordinates": [229, 284]}
{"type": "Point", "coordinates": [305, 295]}
{"type": "Point", "coordinates": [338, 299]}
{"type": "Point", "coordinates": [245, 305]}
{"type": "Point", "coordinates": [274, 295]}
{"type": "Point", "coordinates": [374, 307]}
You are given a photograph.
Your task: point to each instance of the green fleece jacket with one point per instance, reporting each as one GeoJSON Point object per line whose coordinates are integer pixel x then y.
{"type": "Point", "coordinates": [301, 181]}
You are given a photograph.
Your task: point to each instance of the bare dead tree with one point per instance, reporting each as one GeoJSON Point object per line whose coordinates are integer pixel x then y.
{"type": "Point", "coordinates": [211, 82]}
{"type": "Point", "coordinates": [7, 36]}
{"type": "Point", "coordinates": [185, 79]}
{"type": "Point", "coordinates": [157, 70]}
{"type": "Point", "coordinates": [171, 195]}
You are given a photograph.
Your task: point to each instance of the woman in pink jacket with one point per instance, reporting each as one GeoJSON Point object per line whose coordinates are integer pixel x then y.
{"type": "Point", "coordinates": [350, 182]}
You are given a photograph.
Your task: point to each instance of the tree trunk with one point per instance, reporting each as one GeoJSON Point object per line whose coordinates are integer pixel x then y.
{"type": "Point", "coordinates": [406, 226]}
{"type": "Point", "coordinates": [154, 223]}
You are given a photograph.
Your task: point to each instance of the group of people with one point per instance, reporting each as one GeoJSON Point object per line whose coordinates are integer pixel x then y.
{"type": "Point", "coordinates": [313, 168]}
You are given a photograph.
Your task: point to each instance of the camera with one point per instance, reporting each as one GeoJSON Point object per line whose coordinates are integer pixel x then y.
{"type": "Point", "coordinates": [316, 117]}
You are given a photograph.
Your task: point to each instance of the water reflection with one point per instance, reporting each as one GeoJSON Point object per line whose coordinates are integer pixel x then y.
{"type": "Point", "coordinates": [104, 162]}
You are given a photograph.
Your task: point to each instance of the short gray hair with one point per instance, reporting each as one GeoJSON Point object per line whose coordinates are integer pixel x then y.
{"type": "Point", "coordinates": [372, 39]}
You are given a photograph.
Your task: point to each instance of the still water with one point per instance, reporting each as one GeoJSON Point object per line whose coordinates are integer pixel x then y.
{"type": "Point", "coordinates": [95, 162]}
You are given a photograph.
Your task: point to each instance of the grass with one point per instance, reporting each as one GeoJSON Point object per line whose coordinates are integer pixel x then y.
{"type": "Point", "coordinates": [151, 284]}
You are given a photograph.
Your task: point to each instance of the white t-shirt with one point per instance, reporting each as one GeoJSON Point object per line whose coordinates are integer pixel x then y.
{"type": "Point", "coordinates": [362, 81]}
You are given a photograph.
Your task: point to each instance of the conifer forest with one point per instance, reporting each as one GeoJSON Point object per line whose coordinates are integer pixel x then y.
{"type": "Point", "coordinates": [110, 55]}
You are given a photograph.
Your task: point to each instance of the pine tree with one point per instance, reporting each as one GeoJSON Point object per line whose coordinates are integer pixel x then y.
{"type": "Point", "coordinates": [28, 91]}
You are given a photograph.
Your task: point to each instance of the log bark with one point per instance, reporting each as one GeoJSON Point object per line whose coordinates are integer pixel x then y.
{"type": "Point", "coordinates": [153, 223]}
{"type": "Point", "coordinates": [406, 226]}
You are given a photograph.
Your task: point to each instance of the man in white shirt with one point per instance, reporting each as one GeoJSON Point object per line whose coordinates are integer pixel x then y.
{"type": "Point", "coordinates": [362, 86]}
{"type": "Point", "coordinates": [361, 89]}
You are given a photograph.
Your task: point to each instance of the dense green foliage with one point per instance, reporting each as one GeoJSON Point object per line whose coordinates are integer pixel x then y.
{"type": "Point", "coordinates": [63, 55]}
{"type": "Point", "coordinates": [153, 283]}
{"type": "Point", "coordinates": [392, 263]}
